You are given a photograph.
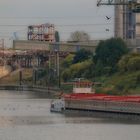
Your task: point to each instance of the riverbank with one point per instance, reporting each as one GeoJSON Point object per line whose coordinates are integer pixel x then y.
{"type": "Point", "coordinates": [119, 84]}
{"type": "Point", "coordinates": [51, 92]}
{"type": "Point", "coordinates": [4, 71]}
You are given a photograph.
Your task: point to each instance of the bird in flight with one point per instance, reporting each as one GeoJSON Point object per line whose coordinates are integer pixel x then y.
{"type": "Point", "coordinates": [107, 30]}
{"type": "Point", "coordinates": [108, 18]}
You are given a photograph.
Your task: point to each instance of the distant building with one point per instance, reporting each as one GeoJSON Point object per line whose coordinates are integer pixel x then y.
{"type": "Point", "coordinates": [127, 25]}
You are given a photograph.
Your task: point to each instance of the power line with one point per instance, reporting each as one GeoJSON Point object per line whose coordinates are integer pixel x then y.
{"type": "Point", "coordinates": [64, 17]}
{"type": "Point", "coordinates": [93, 24]}
{"type": "Point", "coordinates": [61, 25]}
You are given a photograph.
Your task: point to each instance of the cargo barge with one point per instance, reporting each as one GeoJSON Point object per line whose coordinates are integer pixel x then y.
{"type": "Point", "coordinates": [84, 99]}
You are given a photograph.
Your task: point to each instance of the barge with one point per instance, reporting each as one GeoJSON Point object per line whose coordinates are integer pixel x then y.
{"type": "Point", "coordinates": [83, 98]}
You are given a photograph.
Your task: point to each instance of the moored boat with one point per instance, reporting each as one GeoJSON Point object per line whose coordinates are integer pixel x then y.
{"type": "Point", "coordinates": [84, 99]}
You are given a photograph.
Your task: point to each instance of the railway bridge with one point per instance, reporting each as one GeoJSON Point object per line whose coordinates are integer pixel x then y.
{"type": "Point", "coordinates": [28, 59]}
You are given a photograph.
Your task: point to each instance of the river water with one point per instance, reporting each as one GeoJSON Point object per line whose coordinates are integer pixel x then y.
{"type": "Point", "coordinates": [26, 116]}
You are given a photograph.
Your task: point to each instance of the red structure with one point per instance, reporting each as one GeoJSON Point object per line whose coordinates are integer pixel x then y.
{"type": "Point", "coordinates": [82, 100]}
{"type": "Point", "coordinates": [43, 32]}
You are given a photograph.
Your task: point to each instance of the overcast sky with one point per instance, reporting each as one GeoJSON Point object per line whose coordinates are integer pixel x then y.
{"type": "Point", "coordinates": [65, 14]}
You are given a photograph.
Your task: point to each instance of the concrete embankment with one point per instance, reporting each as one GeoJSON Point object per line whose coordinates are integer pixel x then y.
{"type": "Point", "coordinates": [4, 71]}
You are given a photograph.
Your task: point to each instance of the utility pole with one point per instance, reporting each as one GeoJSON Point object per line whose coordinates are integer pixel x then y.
{"type": "Point", "coordinates": [58, 69]}
{"type": "Point", "coordinates": [57, 64]}
{"type": "Point", "coordinates": [3, 46]}
{"type": "Point", "coordinates": [20, 77]}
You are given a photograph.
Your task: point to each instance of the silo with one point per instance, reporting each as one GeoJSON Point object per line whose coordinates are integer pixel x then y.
{"type": "Point", "coordinates": [125, 22]}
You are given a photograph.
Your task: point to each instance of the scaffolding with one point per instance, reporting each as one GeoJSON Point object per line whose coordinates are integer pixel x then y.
{"type": "Point", "coordinates": [43, 32]}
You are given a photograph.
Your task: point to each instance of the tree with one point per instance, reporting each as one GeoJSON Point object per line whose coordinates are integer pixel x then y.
{"type": "Point", "coordinates": [109, 52]}
{"type": "Point", "coordinates": [57, 37]}
{"type": "Point", "coordinates": [79, 36]}
{"type": "Point", "coordinates": [81, 55]}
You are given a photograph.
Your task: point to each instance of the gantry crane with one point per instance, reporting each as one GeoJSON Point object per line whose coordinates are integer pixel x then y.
{"type": "Point", "coordinates": [133, 5]}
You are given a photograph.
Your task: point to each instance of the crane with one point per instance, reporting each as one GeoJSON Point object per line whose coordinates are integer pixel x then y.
{"type": "Point", "coordinates": [133, 5]}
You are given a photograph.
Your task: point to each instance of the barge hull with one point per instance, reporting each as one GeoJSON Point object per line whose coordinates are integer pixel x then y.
{"type": "Point", "coordinates": [103, 114]}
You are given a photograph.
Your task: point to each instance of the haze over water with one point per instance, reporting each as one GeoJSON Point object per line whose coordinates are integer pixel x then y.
{"type": "Point", "coordinates": [25, 116]}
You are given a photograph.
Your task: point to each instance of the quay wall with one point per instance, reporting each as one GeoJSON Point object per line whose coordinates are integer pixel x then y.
{"type": "Point", "coordinates": [41, 90]}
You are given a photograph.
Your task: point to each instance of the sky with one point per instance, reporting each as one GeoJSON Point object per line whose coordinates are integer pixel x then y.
{"type": "Point", "coordinates": [67, 16]}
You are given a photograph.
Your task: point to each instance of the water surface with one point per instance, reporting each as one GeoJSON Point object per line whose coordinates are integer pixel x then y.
{"type": "Point", "coordinates": [26, 116]}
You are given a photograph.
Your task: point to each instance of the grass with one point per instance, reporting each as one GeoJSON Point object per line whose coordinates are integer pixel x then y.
{"type": "Point", "coordinates": [120, 84]}
{"type": "Point", "coordinates": [66, 88]}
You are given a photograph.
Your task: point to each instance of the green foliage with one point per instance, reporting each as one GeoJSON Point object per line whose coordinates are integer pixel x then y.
{"type": "Point", "coordinates": [99, 68]}
{"type": "Point", "coordinates": [109, 52]}
{"type": "Point", "coordinates": [130, 62]}
{"type": "Point", "coordinates": [127, 82]}
{"type": "Point", "coordinates": [82, 55]}
{"type": "Point", "coordinates": [77, 70]}
{"type": "Point", "coordinates": [66, 75]}
{"type": "Point", "coordinates": [67, 61]}
{"type": "Point", "coordinates": [134, 64]}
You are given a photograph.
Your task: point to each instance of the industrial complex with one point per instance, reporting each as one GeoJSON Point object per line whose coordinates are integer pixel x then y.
{"type": "Point", "coordinates": [126, 20]}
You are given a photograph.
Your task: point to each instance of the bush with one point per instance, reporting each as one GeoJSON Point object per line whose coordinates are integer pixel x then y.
{"type": "Point", "coordinates": [130, 62]}
{"type": "Point", "coordinates": [80, 69]}
{"type": "Point", "coordinates": [127, 82]}
{"type": "Point", "coordinates": [67, 61]}
{"type": "Point", "coordinates": [133, 64]}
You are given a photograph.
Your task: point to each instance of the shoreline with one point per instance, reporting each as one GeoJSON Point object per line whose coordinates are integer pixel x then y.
{"type": "Point", "coordinates": [47, 91]}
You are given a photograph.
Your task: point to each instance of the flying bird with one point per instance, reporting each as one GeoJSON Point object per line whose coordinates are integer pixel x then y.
{"type": "Point", "coordinates": [108, 18]}
{"type": "Point", "coordinates": [107, 30]}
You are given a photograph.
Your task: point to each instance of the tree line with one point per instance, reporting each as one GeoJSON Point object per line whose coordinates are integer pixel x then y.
{"type": "Point", "coordinates": [111, 57]}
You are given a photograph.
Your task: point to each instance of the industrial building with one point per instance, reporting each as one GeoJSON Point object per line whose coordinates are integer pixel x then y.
{"type": "Point", "coordinates": [127, 21]}
{"type": "Point", "coordinates": [127, 25]}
